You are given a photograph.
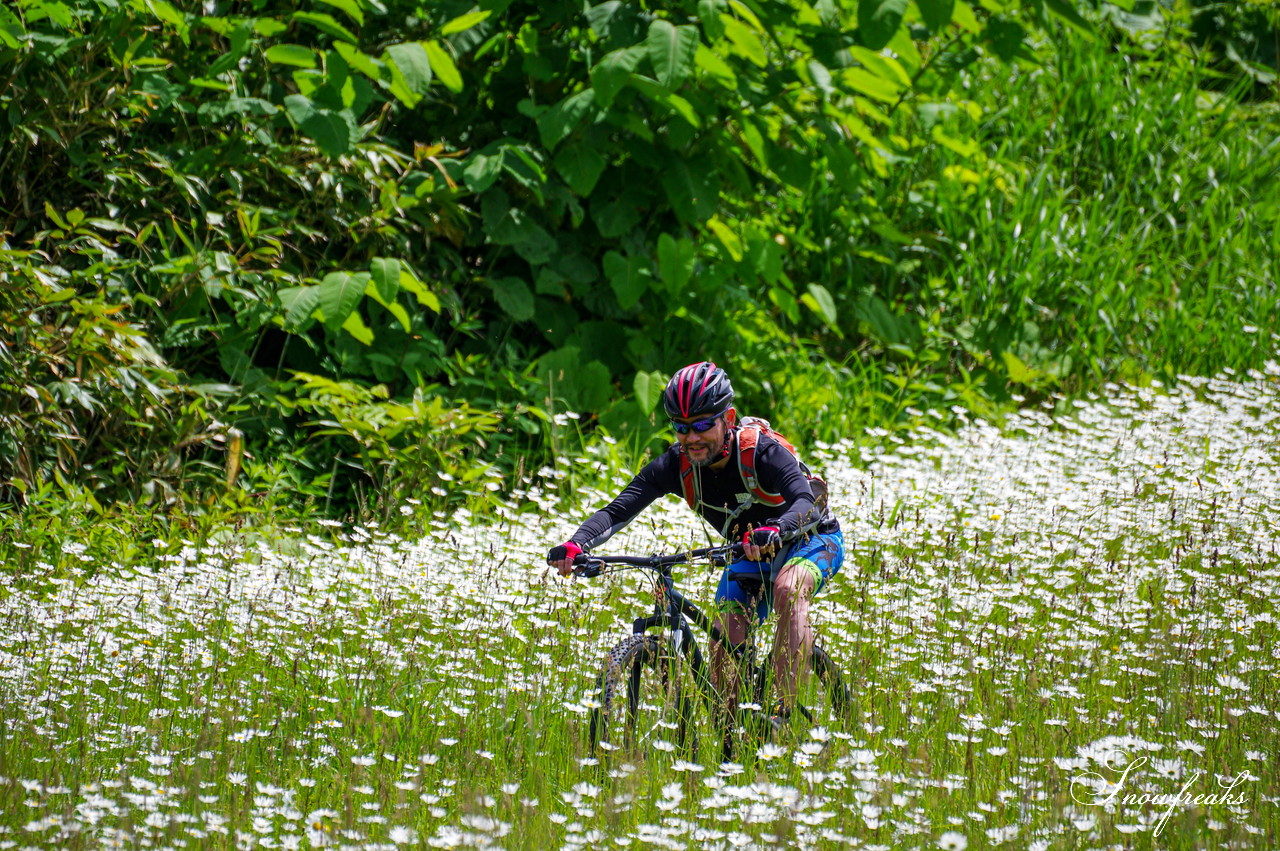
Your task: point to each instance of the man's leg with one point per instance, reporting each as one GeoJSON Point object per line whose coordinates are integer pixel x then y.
{"type": "Point", "coordinates": [793, 642]}
{"type": "Point", "coordinates": [724, 667]}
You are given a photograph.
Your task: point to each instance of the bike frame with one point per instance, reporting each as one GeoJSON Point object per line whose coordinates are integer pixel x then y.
{"type": "Point", "coordinates": [678, 612]}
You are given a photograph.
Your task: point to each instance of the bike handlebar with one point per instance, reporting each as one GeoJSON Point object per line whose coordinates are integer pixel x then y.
{"type": "Point", "coordinates": [588, 566]}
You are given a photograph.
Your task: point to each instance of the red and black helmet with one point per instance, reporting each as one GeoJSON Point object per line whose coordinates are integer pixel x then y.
{"type": "Point", "coordinates": [700, 389]}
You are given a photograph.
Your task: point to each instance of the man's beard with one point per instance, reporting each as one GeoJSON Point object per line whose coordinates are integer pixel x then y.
{"type": "Point", "coordinates": [711, 457]}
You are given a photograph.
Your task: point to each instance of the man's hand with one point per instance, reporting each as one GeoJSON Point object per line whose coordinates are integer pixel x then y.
{"type": "Point", "coordinates": [561, 557]}
{"type": "Point", "coordinates": [762, 543]}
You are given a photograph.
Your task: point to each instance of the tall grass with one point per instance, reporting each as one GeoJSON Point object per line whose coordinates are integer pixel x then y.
{"type": "Point", "coordinates": [1122, 225]}
{"type": "Point", "coordinates": [1139, 238]}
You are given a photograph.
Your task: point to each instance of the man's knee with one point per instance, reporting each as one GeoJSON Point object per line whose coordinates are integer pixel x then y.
{"type": "Point", "coordinates": [794, 586]}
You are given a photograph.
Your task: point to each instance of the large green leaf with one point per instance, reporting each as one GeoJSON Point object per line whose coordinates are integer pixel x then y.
{"type": "Point", "coordinates": [298, 303]}
{"type": "Point", "coordinates": [354, 325]}
{"type": "Point", "coordinates": [392, 306]}
{"type": "Point", "coordinates": [611, 73]}
{"type": "Point", "coordinates": [411, 284]}
{"type": "Point", "coordinates": [672, 51]}
{"type": "Point", "coordinates": [745, 41]}
{"type": "Point", "coordinates": [443, 67]}
{"type": "Point", "coordinates": [340, 292]}
{"type": "Point", "coordinates": [483, 169]}
{"type": "Point", "coordinates": [580, 165]}
{"type": "Point", "coordinates": [386, 277]}
{"type": "Point", "coordinates": [363, 63]}
{"type": "Point", "coordinates": [864, 82]}
{"type": "Point", "coordinates": [715, 67]}
{"type": "Point", "coordinates": [291, 54]}
{"type": "Point", "coordinates": [725, 234]}
{"type": "Point", "coordinates": [819, 300]}
{"type": "Point", "coordinates": [327, 24]}
{"type": "Point", "coordinates": [560, 120]}
{"type": "Point", "coordinates": [878, 20]}
{"type": "Point", "coordinates": [350, 7]}
{"type": "Point", "coordinates": [629, 277]}
{"type": "Point", "coordinates": [410, 71]}
{"type": "Point", "coordinates": [12, 34]}
{"type": "Point", "coordinates": [660, 94]}
{"type": "Point", "coordinates": [676, 258]}
{"type": "Point", "coordinates": [514, 297]}
{"type": "Point", "coordinates": [462, 23]}
{"type": "Point", "coordinates": [648, 388]}
{"type": "Point", "coordinates": [334, 131]}
{"type": "Point", "coordinates": [936, 14]}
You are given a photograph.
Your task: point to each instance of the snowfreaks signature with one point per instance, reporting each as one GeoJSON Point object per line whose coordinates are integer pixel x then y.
{"type": "Point", "coordinates": [1096, 790]}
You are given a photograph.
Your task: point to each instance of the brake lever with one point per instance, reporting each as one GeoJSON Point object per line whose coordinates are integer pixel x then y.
{"type": "Point", "coordinates": [587, 568]}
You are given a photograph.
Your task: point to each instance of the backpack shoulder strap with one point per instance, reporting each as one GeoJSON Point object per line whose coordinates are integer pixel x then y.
{"type": "Point", "coordinates": [687, 484]}
{"type": "Point", "coordinates": [748, 440]}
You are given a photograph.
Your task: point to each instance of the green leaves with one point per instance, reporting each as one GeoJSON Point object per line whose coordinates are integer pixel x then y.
{"type": "Point", "coordinates": [12, 34]}
{"type": "Point", "coordinates": [611, 73]}
{"type": "Point", "coordinates": [671, 51]}
{"type": "Point", "coordinates": [327, 24]}
{"type": "Point", "coordinates": [506, 224]}
{"type": "Point", "coordinates": [819, 300]}
{"type": "Point", "coordinates": [334, 131]}
{"type": "Point", "coordinates": [443, 67]}
{"type": "Point", "coordinates": [581, 166]}
{"type": "Point", "coordinates": [291, 54]}
{"type": "Point", "coordinates": [385, 273]}
{"type": "Point", "coordinates": [338, 295]}
{"type": "Point", "coordinates": [878, 20]}
{"type": "Point", "coordinates": [561, 120]}
{"type": "Point", "coordinates": [676, 258]}
{"type": "Point", "coordinates": [410, 72]}
{"type": "Point", "coordinates": [936, 14]}
{"type": "Point", "coordinates": [628, 276]}
{"type": "Point", "coordinates": [514, 297]}
{"type": "Point", "coordinates": [648, 387]}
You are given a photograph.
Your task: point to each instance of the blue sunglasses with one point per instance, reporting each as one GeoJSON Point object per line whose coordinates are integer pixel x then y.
{"type": "Point", "coordinates": [698, 426]}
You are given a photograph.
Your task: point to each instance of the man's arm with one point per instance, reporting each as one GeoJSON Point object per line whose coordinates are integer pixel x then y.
{"type": "Point", "coordinates": [638, 495]}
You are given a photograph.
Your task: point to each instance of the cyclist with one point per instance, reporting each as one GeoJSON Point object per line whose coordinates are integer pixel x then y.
{"type": "Point", "coordinates": [795, 544]}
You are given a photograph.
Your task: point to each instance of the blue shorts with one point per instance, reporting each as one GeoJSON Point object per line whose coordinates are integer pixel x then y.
{"type": "Point", "coordinates": [821, 555]}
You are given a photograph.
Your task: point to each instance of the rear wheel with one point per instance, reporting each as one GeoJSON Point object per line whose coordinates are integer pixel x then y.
{"type": "Point", "coordinates": [647, 698]}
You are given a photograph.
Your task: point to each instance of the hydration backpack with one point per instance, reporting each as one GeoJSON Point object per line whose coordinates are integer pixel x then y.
{"type": "Point", "coordinates": [749, 432]}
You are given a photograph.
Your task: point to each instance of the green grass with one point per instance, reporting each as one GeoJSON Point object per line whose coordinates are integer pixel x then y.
{"type": "Point", "coordinates": [1016, 610]}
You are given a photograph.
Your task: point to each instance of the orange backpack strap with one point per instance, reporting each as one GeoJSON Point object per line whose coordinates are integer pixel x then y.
{"type": "Point", "coordinates": [748, 438]}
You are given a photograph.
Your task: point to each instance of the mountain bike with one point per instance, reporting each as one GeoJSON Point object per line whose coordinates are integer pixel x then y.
{"type": "Point", "coordinates": [655, 685]}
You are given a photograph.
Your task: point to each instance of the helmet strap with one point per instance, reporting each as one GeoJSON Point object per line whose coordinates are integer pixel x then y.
{"type": "Point", "coordinates": [729, 437]}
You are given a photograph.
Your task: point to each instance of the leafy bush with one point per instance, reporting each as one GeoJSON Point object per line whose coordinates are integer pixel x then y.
{"type": "Point", "coordinates": [361, 234]}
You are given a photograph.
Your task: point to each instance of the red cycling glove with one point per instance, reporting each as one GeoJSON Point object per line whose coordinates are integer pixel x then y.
{"type": "Point", "coordinates": [568, 550]}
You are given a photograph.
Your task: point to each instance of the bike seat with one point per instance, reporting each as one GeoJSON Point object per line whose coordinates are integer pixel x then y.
{"type": "Point", "coordinates": [751, 580]}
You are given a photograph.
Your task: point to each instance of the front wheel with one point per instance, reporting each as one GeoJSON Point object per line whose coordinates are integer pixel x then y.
{"type": "Point", "coordinates": [647, 696]}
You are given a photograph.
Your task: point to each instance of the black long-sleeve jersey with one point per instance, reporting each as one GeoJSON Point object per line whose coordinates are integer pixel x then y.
{"type": "Point", "coordinates": [724, 499]}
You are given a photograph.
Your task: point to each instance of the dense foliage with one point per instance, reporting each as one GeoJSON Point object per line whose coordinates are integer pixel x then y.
{"type": "Point", "coordinates": [334, 251]}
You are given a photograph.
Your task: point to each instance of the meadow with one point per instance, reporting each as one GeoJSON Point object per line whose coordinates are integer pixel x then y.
{"type": "Point", "coordinates": [1060, 634]}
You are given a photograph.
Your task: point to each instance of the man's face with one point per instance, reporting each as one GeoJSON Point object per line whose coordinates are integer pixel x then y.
{"type": "Point", "coordinates": [703, 448]}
